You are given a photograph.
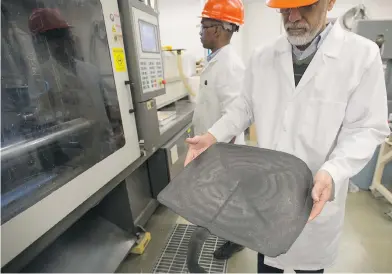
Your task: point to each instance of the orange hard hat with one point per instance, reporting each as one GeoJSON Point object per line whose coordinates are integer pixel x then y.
{"type": "Point", "coordinates": [231, 11]}
{"type": "Point", "coordinates": [289, 4]}
{"type": "Point", "coordinates": [44, 19]}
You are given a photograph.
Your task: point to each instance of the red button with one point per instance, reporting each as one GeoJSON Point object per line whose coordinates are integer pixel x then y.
{"type": "Point", "coordinates": [164, 82]}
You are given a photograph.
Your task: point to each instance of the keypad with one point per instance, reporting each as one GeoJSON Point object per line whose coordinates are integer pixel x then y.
{"type": "Point", "coordinates": [151, 73]}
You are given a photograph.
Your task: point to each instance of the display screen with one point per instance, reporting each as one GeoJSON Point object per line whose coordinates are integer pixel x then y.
{"type": "Point", "coordinates": [60, 113]}
{"type": "Point", "coordinates": [148, 36]}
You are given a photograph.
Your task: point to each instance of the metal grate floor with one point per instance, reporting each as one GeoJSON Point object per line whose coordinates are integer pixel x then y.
{"type": "Point", "coordinates": [173, 257]}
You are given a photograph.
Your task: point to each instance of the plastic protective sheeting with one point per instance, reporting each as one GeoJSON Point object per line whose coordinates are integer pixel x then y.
{"type": "Point", "coordinates": [258, 198]}
{"type": "Point", "coordinates": [350, 17]}
{"type": "Point", "coordinates": [60, 112]}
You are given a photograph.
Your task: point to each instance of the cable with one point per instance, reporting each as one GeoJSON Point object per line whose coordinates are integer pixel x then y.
{"type": "Point", "coordinates": [182, 75]}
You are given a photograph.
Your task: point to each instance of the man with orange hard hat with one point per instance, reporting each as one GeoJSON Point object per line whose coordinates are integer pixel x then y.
{"type": "Point", "coordinates": [318, 92]}
{"type": "Point", "coordinates": [221, 80]}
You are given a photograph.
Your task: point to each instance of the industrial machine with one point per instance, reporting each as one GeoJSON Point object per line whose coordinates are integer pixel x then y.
{"type": "Point", "coordinates": [144, 49]}
{"type": "Point", "coordinates": [151, 79]}
{"type": "Point", "coordinates": [380, 31]}
{"type": "Point", "coordinates": [148, 80]}
{"type": "Point", "coordinates": [65, 113]}
{"type": "Point", "coordinates": [79, 124]}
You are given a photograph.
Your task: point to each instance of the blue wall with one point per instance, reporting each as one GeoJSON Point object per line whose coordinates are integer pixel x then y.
{"type": "Point", "coordinates": [364, 178]}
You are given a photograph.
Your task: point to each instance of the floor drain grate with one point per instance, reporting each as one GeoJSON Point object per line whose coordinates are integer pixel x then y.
{"type": "Point", "coordinates": [173, 257]}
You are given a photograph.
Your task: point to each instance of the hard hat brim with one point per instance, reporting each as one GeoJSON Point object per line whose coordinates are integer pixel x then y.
{"type": "Point", "coordinates": [227, 21]}
{"type": "Point", "coordinates": [289, 4]}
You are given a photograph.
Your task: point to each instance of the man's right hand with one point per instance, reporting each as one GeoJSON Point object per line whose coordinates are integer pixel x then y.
{"type": "Point", "coordinates": [197, 145]}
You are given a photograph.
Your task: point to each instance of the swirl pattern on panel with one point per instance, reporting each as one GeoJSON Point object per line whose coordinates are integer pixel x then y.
{"type": "Point", "coordinates": [254, 197]}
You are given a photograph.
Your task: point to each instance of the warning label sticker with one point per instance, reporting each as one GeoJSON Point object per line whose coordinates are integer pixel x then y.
{"type": "Point", "coordinates": [149, 105]}
{"type": "Point", "coordinates": [119, 60]}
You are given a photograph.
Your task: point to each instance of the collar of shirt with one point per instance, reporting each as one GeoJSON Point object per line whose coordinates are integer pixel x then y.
{"type": "Point", "coordinates": [314, 46]}
{"type": "Point", "coordinates": [212, 55]}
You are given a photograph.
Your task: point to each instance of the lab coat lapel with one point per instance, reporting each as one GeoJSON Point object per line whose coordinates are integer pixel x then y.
{"type": "Point", "coordinates": [285, 62]}
{"type": "Point", "coordinates": [314, 67]}
{"type": "Point", "coordinates": [328, 51]}
{"type": "Point", "coordinates": [209, 65]}
{"type": "Point", "coordinates": [208, 74]}
{"type": "Point", "coordinates": [216, 58]}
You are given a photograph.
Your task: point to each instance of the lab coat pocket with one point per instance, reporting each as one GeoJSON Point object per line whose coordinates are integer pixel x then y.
{"type": "Point", "coordinates": [322, 122]}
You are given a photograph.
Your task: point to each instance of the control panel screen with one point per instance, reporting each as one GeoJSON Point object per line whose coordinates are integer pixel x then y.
{"type": "Point", "coordinates": [148, 36]}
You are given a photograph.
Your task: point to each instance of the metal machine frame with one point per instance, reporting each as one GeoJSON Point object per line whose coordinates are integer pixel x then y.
{"type": "Point", "coordinates": [150, 66]}
{"type": "Point", "coordinates": [380, 32]}
{"type": "Point", "coordinates": [147, 79]}
{"type": "Point", "coordinates": [45, 214]}
{"type": "Point", "coordinates": [384, 157]}
{"type": "Point", "coordinates": [373, 30]}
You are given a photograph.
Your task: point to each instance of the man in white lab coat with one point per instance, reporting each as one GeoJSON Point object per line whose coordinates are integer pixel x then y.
{"type": "Point", "coordinates": [318, 93]}
{"type": "Point", "coordinates": [221, 80]}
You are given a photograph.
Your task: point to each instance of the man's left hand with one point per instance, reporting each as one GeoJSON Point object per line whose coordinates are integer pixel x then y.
{"type": "Point", "coordinates": [321, 193]}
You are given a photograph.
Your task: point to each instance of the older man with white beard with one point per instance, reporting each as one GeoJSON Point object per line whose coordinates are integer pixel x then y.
{"type": "Point", "coordinates": [318, 93]}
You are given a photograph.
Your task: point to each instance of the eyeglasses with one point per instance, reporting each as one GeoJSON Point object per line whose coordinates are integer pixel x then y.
{"type": "Point", "coordinates": [202, 28]}
{"type": "Point", "coordinates": [302, 10]}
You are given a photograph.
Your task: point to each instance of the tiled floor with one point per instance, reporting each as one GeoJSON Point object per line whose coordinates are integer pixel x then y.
{"type": "Point", "coordinates": [366, 245]}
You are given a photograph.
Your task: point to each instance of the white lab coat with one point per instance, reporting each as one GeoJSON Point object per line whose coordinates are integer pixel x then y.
{"type": "Point", "coordinates": [220, 84]}
{"type": "Point", "coordinates": [333, 120]}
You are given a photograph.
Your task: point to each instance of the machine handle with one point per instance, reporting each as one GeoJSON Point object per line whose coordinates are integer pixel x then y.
{"type": "Point", "coordinates": [129, 83]}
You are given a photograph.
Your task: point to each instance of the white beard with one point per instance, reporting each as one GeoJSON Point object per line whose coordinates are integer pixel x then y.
{"type": "Point", "coordinates": [301, 40]}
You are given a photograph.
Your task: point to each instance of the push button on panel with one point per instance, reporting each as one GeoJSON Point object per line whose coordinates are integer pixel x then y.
{"type": "Point", "coordinates": [162, 81]}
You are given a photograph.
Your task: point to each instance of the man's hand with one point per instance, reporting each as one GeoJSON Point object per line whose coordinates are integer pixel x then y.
{"type": "Point", "coordinates": [321, 193]}
{"type": "Point", "coordinates": [197, 145]}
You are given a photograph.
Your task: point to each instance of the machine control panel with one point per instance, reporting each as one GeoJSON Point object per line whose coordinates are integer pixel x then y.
{"type": "Point", "coordinates": [143, 47]}
{"type": "Point", "coordinates": [151, 73]}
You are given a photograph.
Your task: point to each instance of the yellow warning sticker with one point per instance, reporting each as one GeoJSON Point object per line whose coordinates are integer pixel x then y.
{"type": "Point", "coordinates": [149, 105]}
{"type": "Point", "coordinates": [119, 60]}
{"type": "Point", "coordinates": [113, 29]}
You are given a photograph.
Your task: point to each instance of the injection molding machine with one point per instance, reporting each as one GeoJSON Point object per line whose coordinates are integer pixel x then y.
{"type": "Point", "coordinates": [79, 125]}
